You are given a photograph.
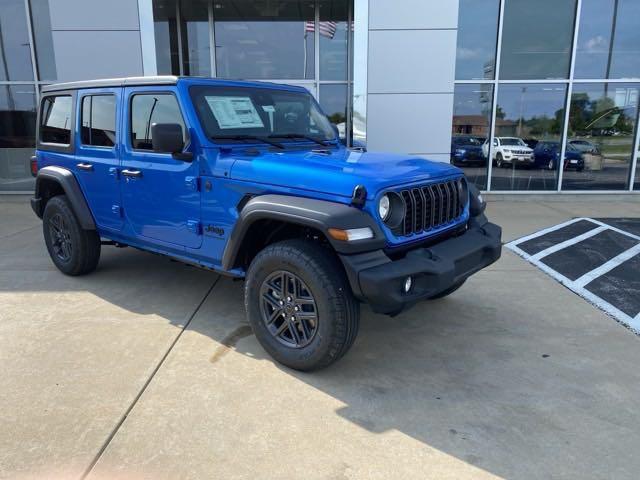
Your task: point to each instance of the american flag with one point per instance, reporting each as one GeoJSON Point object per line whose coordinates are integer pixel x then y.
{"type": "Point", "coordinates": [327, 29]}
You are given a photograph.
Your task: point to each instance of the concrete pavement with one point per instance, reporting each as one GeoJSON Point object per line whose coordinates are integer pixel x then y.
{"type": "Point", "coordinates": [512, 376]}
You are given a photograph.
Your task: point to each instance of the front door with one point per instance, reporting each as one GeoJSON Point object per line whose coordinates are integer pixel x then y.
{"type": "Point", "coordinates": [97, 158]}
{"type": "Point", "coordinates": [160, 193]}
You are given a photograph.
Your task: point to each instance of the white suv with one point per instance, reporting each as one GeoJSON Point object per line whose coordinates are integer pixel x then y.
{"type": "Point", "coordinates": [510, 151]}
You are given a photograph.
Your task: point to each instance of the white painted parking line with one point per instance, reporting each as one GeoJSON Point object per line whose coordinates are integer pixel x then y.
{"type": "Point", "coordinates": [578, 286]}
{"type": "Point", "coordinates": [607, 267]}
{"type": "Point", "coordinates": [567, 243]}
{"type": "Point", "coordinates": [615, 229]}
{"type": "Point", "coordinates": [544, 231]}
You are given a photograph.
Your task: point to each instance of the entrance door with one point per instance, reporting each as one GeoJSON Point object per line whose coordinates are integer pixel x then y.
{"type": "Point", "coordinates": [159, 192]}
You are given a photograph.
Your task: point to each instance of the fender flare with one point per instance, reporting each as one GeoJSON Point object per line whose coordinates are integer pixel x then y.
{"type": "Point", "coordinates": [318, 214]}
{"type": "Point", "coordinates": [67, 181]}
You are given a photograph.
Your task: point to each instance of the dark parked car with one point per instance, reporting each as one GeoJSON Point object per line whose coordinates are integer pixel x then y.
{"type": "Point", "coordinates": [547, 154]}
{"type": "Point", "coordinates": [466, 150]}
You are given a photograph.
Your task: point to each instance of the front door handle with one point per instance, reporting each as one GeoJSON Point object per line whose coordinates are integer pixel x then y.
{"type": "Point", "coordinates": [132, 173]}
{"type": "Point", "coordinates": [85, 166]}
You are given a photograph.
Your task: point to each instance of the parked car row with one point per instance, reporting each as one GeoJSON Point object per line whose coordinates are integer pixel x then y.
{"type": "Point", "coordinates": [514, 152]}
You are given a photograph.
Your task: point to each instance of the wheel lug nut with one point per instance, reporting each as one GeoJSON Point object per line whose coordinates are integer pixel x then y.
{"type": "Point", "coordinates": [288, 299]}
{"type": "Point", "coordinates": [281, 302]}
{"type": "Point", "coordinates": [297, 308]}
{"type": "Point", "coordinates": [293, 318]}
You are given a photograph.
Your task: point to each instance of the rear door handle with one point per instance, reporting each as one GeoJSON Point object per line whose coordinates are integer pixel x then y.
{"type": "Point", "coordinates": [85, 166]}
{"type": "Point", "coordinates": [132, 173]}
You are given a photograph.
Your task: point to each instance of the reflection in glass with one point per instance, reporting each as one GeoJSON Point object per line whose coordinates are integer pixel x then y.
{"type": "Point", "coordinates": [196, 58]}
{"type": "Point", "coordinates": [333, 39]}
{"type": "Point", "coordinates": [333, 100]}
{"type": "Point", "coordinates": [15, 51]}
{"type": "Point", "coordinates": [477, 31]}
{"type": "Point", "coordinates": [45, 56]}
{"type": "Point", "coordinates": [471, 128]}
{"type": "Point", "coordinates": [602, 123]}
{"type": "Point", "coordinates": [17, 136]}
{"type": "Point", "coordinates": [609, 39]}
{"type": "Point", "coordinates": [526, 153]}
{"type": "Point", "coordinates": [165, 27]}
{"type": "Point", "coordinates": [536, 39]}
{"type": "Point", "coordinates": [265, 40]}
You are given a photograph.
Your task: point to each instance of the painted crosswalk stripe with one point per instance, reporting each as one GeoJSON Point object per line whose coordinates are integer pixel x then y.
{"type": "Point", "coordinates": [607, 266]}
{"type": "Point", "coordinates": [578, 285]}
{"type": "Point", "coordinates": [567, 243]}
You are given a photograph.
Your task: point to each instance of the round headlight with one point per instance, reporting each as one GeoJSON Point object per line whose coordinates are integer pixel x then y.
{"type": "Point", "coordinates": [384, 207]}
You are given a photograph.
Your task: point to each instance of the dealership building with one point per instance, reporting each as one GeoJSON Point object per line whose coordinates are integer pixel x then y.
{"type": "Point", "coordinates": [522, 95]}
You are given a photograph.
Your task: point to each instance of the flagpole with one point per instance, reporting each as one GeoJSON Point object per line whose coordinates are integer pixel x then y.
{"type": "Point", "coordinates": [304, 73]}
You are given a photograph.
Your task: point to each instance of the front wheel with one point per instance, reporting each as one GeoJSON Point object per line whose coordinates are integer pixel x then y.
{"type": "Point", "coordinates": [300, 305]}
{"type": "Point", "coordinates": [499, 161]}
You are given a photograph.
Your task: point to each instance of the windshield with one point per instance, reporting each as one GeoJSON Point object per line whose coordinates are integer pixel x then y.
{"type": "Point", "coordinates": [513, 141]}
{"type": "Point", "coordinates": [238, 114]}
{"type": "Point", "coordinates": [466, 141]}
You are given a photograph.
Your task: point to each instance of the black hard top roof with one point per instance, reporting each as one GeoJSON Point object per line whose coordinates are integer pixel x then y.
{"type": "Point", "coordinates": [112, 82]}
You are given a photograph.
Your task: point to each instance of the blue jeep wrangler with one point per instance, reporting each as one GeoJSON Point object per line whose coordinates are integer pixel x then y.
{"type": "Point", "coordinates": [250, 180]}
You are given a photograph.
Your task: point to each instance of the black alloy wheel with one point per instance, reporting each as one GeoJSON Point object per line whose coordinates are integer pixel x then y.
{"type": "Point", "coordinates": [288, 309]}
{"type": "Point", "coordinates": [61, 237]}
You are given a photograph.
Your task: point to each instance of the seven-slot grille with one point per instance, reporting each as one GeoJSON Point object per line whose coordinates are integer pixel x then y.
{"type": "Point", "coordinates": [430, 206]}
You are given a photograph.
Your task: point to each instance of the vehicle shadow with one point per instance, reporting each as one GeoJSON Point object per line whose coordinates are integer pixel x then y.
{"type": "Point", "coordinates": [505, 381]}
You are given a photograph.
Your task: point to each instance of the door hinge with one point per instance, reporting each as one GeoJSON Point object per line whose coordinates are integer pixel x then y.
{"type": "Point", "coordinates": [194, 226]}
{"type": "Point", "coordinates": [116, 210]}
{"type": "Point", "coordinates": [192, 183]}
{"type": "Point", "coordinates": [113, 171]}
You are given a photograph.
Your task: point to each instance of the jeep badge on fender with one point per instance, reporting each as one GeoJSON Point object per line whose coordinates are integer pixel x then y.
{"type": "Point", "coordinates": [251, 180]}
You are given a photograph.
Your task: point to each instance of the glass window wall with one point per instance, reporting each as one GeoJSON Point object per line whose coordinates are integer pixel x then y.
{"type": "Point", "coordinates": [609, 40]}
{"type": "Point", "coordinates": [477, 36]}
{"type": "Point", "coordinates": [602, 127]}
{"type": "Point", "coordinates": [528, 136]}
{"type": "Point", "coordinates": [539, 68]}
{"type": "Point", "coordinates": [471, 129]}
{"type": "Point", "coordinates": [265, 40]}
{"type": "Point", "coordinates": [17, 136]}
{"type": "Point", "coordinates": [536, 39]}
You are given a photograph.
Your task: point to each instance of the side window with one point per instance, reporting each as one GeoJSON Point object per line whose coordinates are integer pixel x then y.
{"type": "Point", "coordinates": [55, 120]}
{"type": "Point", "coordinates": [147, 109]}
{"type": "Point", "coordinates": [495, 142]}
{"type": "Point", "coordinates": [99, 120]}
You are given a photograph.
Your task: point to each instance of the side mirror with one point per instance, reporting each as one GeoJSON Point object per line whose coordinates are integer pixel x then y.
{"type": "Point", "coordinates": [167, 138]}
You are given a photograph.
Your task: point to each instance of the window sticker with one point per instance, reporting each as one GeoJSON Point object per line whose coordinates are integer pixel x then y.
{"type": "Point", "coordinates": [234, 112]}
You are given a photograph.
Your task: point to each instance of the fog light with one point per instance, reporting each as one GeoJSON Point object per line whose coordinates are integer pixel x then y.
{"type": "Point", "coordinates": [408, 283]}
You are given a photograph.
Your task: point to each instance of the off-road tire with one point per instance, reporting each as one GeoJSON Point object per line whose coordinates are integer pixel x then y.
{"type": "Point", "coordinates": [84, 252]}
{"type": "Point", "coordinates": [338, 312]}
{"type": "Point", "coordinates": [448, 291]}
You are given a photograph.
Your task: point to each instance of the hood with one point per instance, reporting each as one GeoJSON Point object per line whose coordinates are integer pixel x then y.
{"type": "Point", "coordinates": [337, 171]}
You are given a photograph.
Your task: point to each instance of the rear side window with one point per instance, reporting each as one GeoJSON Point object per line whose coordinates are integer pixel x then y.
{"type": "Point", "coordinates": [99, 120]}
{"type": "Point", "coordinates": [147, 109]}
{"type": "Point", "coordinates": [55, 123]}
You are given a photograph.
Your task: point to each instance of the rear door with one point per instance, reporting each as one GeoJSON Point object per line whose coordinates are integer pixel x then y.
{"type": "Point", "coordinates": [97, 157]}
{"type": "Point", "coordinates": [160, 193]}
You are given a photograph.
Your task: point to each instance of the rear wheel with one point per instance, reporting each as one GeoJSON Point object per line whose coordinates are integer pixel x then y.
{"type": "Point", "coordinates": [74, 251]}
{"type": "Point", "coordinates": [300, 305]}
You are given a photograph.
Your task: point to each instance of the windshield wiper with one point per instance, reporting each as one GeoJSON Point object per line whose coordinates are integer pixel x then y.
{"type": "Point", "coordinates": [247, 137]}
{"type": "Point", "coordinates": [299, 135]}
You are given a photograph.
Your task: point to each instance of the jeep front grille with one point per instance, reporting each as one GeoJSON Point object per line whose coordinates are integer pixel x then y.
{"type": "Point", "coordinates": [430, 206]}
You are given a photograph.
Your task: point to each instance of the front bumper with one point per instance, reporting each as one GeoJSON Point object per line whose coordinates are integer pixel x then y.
{"type": "Point", "coordinates": [378, 280]}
